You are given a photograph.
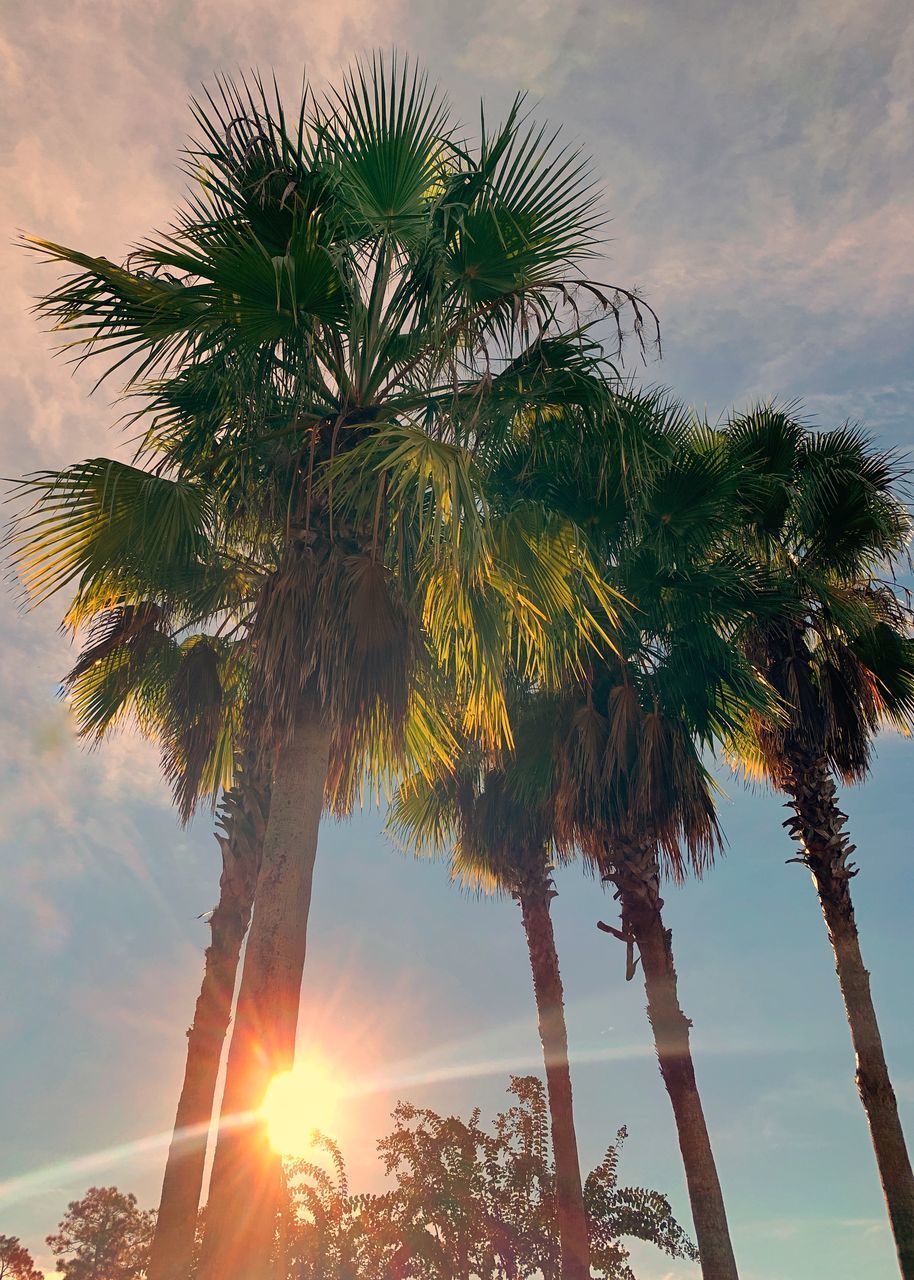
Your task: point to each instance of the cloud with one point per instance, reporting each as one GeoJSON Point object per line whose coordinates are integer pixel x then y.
{"type": "Point", "coordinates": [759, 167]}
{"type": "Point", "coordinates": [65, 813]}
{"type": "Point", "coordinates": [762, 182]}
{"type": "Point", "coordinates": [784, 1229]}
{"type": "Point", "coordinates": [96, 114]}
{"type": "Point", "coordinates": [789, 1116]}
{"type": "Point", "coordinates": [548, 43]}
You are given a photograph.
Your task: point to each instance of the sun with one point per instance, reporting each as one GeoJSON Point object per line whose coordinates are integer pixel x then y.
{"type": "Point", "coordinates": [299, 1101]}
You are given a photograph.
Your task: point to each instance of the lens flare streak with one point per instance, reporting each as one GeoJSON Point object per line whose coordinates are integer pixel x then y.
{"type": "Point", "coordinates": [289, 1116]}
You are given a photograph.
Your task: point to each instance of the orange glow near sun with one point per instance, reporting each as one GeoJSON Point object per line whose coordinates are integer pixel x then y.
{"type": "Point", "coordinates": [299, 1101]}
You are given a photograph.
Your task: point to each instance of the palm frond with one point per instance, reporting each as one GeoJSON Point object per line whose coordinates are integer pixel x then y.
{"type": "Point", "coordinates": [388, 142]}
{"type": "Point", "coordinates": [99, 516]}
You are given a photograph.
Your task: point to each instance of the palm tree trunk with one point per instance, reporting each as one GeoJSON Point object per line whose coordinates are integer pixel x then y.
{"type": "Point", "coordinates": [241, 1211]}
{"type": "Point", "coordinates": [635, 871]}
{"type": "Point", "coordinates": [818, 828]}
{"type": "Point", "coordinates": [574, 1242]}
{"type": "Point", "coordinates": [242, 817]}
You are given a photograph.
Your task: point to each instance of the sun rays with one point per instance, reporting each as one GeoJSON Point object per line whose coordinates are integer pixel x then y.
{"type": "Point", "coordinates": [313, 1096]}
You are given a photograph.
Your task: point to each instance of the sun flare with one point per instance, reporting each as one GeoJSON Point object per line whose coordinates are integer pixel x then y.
{"type": "Point", "coordinates": [299, 1101]}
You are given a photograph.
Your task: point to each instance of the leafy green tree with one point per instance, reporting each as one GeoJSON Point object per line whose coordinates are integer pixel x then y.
{"type": "Point", "coordinates": [638, 1213]}
{"type": "Point", "coordinates": [103, 1236]}
{"type": "Point", "coordinates": [16, 1261]}
{"type": "Point", "coordinates": [467, 1203]}
{"type": "Point", "coordinates": [351, 299]}
{"type": "Point", "coordinates": [823, 513]}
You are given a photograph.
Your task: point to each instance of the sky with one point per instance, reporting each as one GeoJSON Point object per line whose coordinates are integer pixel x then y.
{"type": "Point", "coordinates": [756, 160]}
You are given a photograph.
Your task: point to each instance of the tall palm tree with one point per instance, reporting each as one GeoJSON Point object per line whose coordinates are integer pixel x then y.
{"type": "Point", "coordinates": [183, 695]}
{"type": "Point", "coordinates": [824, 514]}
{"type": "Point", "coordinates": [614, 769]}
{"type": "Point", "coordinates": [614, 766]}
{"type": "Point", "coordinates": [630, 788]}
{"type": "Point", "coordinates": [187, 697]}
{"type": "Point", "coordinates": [243, 818]}
{"type": "Point", "coordinates": [367, 288]}
{"type": "Point", "coordinates": [636, 797]}
{"type": "Point", "coordinates": [496, 821]}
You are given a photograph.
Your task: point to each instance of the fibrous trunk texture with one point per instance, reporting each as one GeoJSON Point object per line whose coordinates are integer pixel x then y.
{"type": "Point", "coordinates": [818, 828]}
{"type": "Point", "coordinates": [242, 817]}
{"type": "Point", "coordinates": [534, 897]}
{"type": "Point", "coordinates": [634, 869]}
{"type": "Point", "coordinates": [241, 1210]}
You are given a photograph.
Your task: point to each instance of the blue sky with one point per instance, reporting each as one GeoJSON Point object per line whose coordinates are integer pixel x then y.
{"type": "Point", "coordinates": [757, 164]}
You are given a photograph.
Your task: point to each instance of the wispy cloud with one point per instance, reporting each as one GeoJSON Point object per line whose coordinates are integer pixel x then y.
{"type": "Point", "coordinates": [759, 165]}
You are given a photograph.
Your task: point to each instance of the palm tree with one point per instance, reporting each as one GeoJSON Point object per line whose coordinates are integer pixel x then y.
{"type": "Point", "coordinates": [243, 817]}
{"type": "Point", "coordinates": [184, 697]}
{"type": "Point", "coordinates": [616, 770]}
{"type": "Point", "coordinates": [495, 819]}
{"type": "Point", "coordinates": [629, 786]}
{"type": "Point", "coordinates": [636, 797]}
{"type": "Point", "coordinates": [823, 512]}
{"type": "Point", "coordinates": [614, 765]}
{"type": "Point", "coordinates": [365, 288]}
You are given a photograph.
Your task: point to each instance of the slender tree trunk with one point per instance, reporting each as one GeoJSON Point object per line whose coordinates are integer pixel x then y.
{"type": "Point", "coordinates": [818, 828]}
{"type": "Point", "coordinates": [574, 1242]}
{"type": "Point", "coordinates": [241, 1211]}
{"type": "Point", "coordinates": [634, 870]}
{"type": "Point", "coordinates": [243, 821]}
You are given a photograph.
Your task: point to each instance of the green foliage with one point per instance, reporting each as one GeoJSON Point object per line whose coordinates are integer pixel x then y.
{"type": "Point", "coordinates": [186, 694]}
{"type": "Point", "coordinates": [351, 316]}
{"type": "Point", "coordinates": [824, 515]}
{"type": "Point", "coordinates": [101, 517]}
{"type": "Point", "coordinates": [466, 1201]}
{"type": "Point", "coordinates": [630, 741]}
{"type": "Point", "coordinates": [103, 1236]}
{"type": "Point", "coordinates": [618, 751]}
{"type": "Point", "coordinates": [492, 818]}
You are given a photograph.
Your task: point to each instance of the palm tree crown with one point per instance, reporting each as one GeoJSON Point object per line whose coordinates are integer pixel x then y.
{"type": "Point", "coordinates": [823, 513]}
